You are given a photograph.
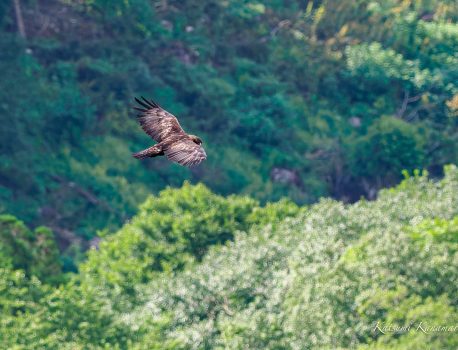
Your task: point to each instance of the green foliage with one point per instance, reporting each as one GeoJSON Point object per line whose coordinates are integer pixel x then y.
{"type": "Point", "coordinates": [34, 252]}
{"type": "Point", "coordinates": [436, 230]}
{"type": "Point", "coordinates": [425, 324]}
{"type": "Point", "coordinates": [172, 230]}
{"type": "Point", "coordinates": [169, 232]}
{"type": "Point", "coordinates": [320, 277]}
{"type": "Point", "coordinates": [19, 303]}
{"type": "Point", "coordinates": [390, 146]}
{"type": "Point", "coordinates": [379, 67]}
{"type": "Point", "coordinates": [18, 293]}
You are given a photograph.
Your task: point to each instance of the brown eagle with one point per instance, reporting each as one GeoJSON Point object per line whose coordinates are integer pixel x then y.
{"type": "Point", "coordinates": [171, 139]}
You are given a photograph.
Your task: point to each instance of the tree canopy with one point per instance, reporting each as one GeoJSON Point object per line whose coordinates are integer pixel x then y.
{"type": "Point", "coordinates": [323, 276]}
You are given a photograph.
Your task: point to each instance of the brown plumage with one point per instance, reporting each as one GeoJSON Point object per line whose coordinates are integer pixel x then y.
{"type": "Point", "coordinates": [171, 139]}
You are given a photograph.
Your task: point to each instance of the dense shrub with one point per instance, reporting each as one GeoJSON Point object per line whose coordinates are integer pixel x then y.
{"type": "Point", "coordinates": [321, 277]}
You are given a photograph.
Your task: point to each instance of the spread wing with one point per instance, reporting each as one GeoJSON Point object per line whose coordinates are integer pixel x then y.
{"type": "Point", "coordinates": [155, 121]}
{"type": "Point", "coordinates": [185, 152]}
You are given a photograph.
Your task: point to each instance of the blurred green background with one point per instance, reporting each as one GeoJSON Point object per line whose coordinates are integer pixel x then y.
{"type": "Point", "coordinates": [295, 101]}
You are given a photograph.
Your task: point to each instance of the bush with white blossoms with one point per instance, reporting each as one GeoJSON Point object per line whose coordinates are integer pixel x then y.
{"type": "Point", "coordinates": [370, 275]}
{"type": "Point", "coordinates": [323, 279]}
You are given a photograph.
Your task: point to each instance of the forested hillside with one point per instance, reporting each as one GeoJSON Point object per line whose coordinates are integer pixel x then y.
{"type": "Point", "coordinates": [230, 274]}
{"type": "Point", "coordinates": [292, 98]}
{"type": "Point", "coordinates": [323, 214]}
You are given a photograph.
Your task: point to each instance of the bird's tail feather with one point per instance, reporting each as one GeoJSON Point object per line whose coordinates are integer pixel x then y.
{"type": "Point", "coordinates": [141, 155]}
{"type": "Point", "coordinates": [149, 152]}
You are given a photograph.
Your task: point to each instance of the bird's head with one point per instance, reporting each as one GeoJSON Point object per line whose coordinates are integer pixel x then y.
{"type": "Point", "coordinates": [195, 139]}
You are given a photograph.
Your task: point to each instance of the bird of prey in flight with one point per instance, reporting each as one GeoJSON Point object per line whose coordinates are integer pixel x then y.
{"type": "Point", "coordinates": [171, 139]}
